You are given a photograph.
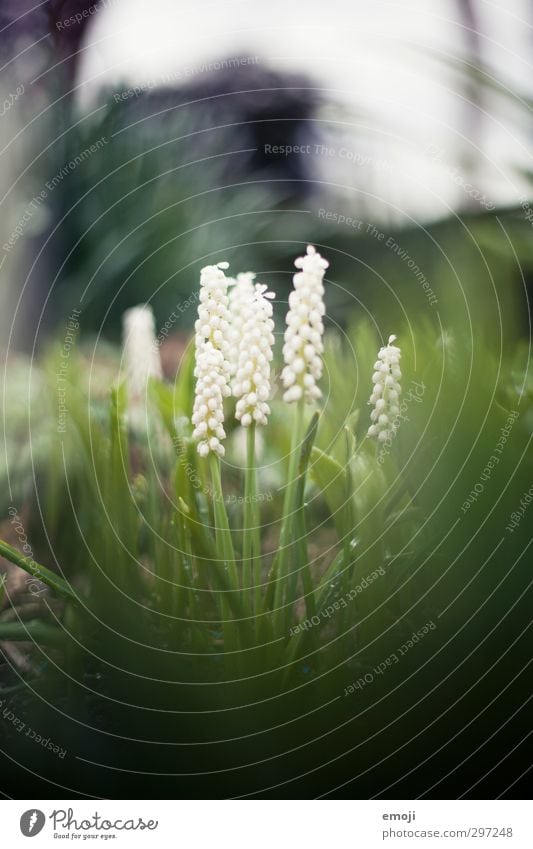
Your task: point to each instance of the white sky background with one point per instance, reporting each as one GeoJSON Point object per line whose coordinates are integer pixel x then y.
{"type": "Point", "coordinates": [384, 65]}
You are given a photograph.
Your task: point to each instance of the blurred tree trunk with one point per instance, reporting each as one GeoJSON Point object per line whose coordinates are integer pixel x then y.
{"type": "Point", "coordinates": [50, 27]}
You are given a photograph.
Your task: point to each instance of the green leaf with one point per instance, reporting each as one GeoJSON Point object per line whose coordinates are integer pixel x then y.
{"type": "Point", "coordinates": [184, 384]}
{"type": "Point", "coordinates": [32, 631]}
{"type": "Point", "coordinates": [331, 479]}
{"type": "Point", "coordinates": [300, 522]}
{"type": "Point", "coordinates": [164, 400]}
{"type": "Point", "coordinates": [305, 454]}
{"type": "Point", "coordinates": [40, 572]}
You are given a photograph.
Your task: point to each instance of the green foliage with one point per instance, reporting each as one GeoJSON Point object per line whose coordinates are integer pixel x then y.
{"type": "Point", "coordinates": [147, 518]}
{"type": "Point", "coordinates": [374, 542]}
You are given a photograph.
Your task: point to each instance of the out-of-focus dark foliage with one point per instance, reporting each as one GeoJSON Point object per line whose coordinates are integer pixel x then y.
{"type": "Point", "coordinates": [173, 185]}
{"type": "Point", "coordinates": [143, 187]}
{"type": "Point", "coordinates": [26, 23]}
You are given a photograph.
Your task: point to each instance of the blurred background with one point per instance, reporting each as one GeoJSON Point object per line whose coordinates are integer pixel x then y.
{"type": "Point", "coordinates": [137, 146]}
{"type": "Point", "coordinates": [140, 142]}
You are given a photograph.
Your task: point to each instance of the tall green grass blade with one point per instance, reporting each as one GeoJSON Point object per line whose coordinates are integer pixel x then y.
{"type": "Point", "coordinates": [331, 479]}
{"type": "Point", "coordinates": [33, 631]}
{"type": "Point", "coordinates": [277, 586]}
{"type": "Point", "coordinates": [55, 582]}
{"type": "Point", "coordinates": [225, 552]}
{"type": "Point", "coordinates": [3, 583]}
{"type": "Point", "coordinates": [251, 548]}
{"type": "Point", "coordinates": [302, 556]}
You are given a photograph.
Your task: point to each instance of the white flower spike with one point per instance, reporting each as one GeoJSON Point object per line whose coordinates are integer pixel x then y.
{"type": "Point", "coordinates": [386, 393]}
{"type": "Point", "coordinates": [241, 292]}
{"type": "Point", "coordinates": [251, 385]}
{"type": "Point", "coordinates": [303, 346]}
{"type": "Point", "coordinates": [212, 370]}
{"type": "Point", "coordinates": [141, 356]}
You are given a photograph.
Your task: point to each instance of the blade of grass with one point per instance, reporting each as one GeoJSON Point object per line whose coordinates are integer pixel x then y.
{"type": "Point", "coordinates": [251, 548]}
{"type": "Point", "coordinates": [276, 589]}
{"type": "Point", "coordinates": [224, 547]}
{"type": "Point", "coordinates": [32, 631]}
{"type": "Point", "coordinates": [55, 582]}
{"type": "Point", "coordinates": [223, 538]}
{"type": "Point", "coordinates": [123, 544]}
{"type": "Point", "coordinates": [187, 597]}
{"type": "Point", "coordinates": [3, 582]}
{"type": "Point", "coordinates": [300, 524]}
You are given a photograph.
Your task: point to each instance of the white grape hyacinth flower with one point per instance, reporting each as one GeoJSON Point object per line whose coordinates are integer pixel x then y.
{"type": "Point", "coordinates": [212, 369]}
{"type": "Point", "coordinates": [141, 357]}
{"type": "Point", "coordinates": [303, 348]}
{"type": "Point", "coordinates": [251, 384]}
{"type": "Point", "coordinates": [386, 393]}
{"type": "Point", "coordinates": [241, 291]}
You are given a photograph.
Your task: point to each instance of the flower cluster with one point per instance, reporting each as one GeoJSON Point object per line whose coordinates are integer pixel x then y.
{"type": "Point", "coordinates": [386, 393]}
{"type": "Point", "coordinates": [212, 370]}
{"type": "Point", "coordinates": [251, 384]}
{"type": "Point", "coordinates": [303, 346]}
{"type": "Point", "coordinates": [141, 356]}
{"type": "Point", "coordinates": [234, 341]}
{"type": "Point", "coordinates": [241, 292]}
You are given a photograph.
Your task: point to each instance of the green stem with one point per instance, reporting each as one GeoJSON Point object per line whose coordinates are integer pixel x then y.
{"type": "Point", "coordinates": [40, 572]}
{"type": "Point", "coordinates": [300, 522]}
{"type": "Point", "coordinates": [279, 568]}
{"type": "Point", "coordinates": [224, 547]}
{"type": "Point", "coordinates": [256, 559]}
{"type": "Point", "coordinates": [33, 631]}
{"type": "Point", "coordinates": [223, 539]}
{"type": "Point", "coordinates": [186, 573]}
{"type": "Point", "coordinates": [248, 553]}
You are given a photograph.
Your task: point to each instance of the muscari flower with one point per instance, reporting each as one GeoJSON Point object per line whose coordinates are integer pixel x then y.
{"type": "Point", "coordinates": [141, 356]}
{"type": "Point", "coordinates": [240, 293]}
{"type": "Point", "coordinates": [303, 346]}
{"type": "Point", "coordinates": [386, 393]}
{"type": "Point", "coordinates": [253, 328]}
{"type": "Point", "coordinates": [212, 369]}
